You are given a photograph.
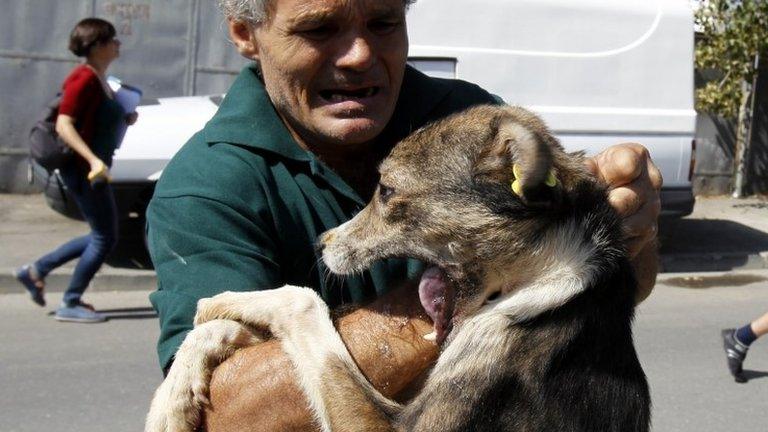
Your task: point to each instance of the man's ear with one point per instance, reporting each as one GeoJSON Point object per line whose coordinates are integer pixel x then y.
{"type": "Point", "coordinates": [241, 34]}
{"type": "Point", "coordinates": [520, 156]}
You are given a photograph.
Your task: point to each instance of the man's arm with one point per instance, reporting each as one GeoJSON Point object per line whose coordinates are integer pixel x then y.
{"type": "Point", "coordinates": [255, 389]}
{"type": "Point", "coordinates": [634, 183]}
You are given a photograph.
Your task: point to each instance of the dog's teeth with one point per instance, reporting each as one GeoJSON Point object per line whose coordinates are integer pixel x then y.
{"type": "Point", "coordinates": [431, 336]}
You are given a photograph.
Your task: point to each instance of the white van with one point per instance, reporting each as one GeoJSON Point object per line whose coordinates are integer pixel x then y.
{"type": "Point", "coordinates": [600, 72]}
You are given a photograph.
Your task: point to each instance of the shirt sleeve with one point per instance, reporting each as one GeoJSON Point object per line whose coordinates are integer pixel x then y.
{"type": "Point", "coordinates": [81, 94]}
{"type": "Point", "coordinates": [203, 243]}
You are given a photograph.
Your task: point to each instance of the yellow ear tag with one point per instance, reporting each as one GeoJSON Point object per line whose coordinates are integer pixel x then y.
{"type": "Point", "coordinates": [516, 170]}
{"type": "Point", "coordinates": [551, 180]}
{"type": "Point", "coordinates": [516, 188]}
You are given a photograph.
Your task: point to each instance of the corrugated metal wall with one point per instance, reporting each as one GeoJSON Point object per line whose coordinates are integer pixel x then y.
{"type": "Point", "coordinates": [169, 48]}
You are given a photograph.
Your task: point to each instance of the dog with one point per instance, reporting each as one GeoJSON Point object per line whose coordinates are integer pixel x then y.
{"type": "Point", "coordinates": [530, 289]}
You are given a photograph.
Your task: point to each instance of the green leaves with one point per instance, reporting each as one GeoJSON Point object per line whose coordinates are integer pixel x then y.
{"type": "Point", "coordinates": [732, 32]}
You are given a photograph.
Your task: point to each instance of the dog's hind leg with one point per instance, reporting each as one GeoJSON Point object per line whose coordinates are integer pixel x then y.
{"type": "Point", "coordinates": [340, 396]}
{"type": "Point", "coordinates": [180, 399]}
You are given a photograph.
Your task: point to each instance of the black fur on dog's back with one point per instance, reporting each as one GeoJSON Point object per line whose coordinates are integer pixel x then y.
{"type": "Point", "coordinates": [573, 368]}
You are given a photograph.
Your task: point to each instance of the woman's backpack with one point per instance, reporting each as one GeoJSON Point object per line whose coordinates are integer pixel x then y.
{"type": "Point", "coordinates": [45, 146]}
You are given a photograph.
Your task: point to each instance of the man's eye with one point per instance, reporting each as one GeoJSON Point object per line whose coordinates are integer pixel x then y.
{"type": "Point", "coordinates": [317, 33]}
{"type": "Point", "coordinates": [385, 193]}
{"type": "Point", "coordinates": [384, 26]}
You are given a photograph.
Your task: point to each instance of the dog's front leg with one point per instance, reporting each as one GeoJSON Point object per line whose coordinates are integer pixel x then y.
{"type": "Point", "coordinates": [179, 401]}
{"type": "Point", "coordinates": [340, 396]}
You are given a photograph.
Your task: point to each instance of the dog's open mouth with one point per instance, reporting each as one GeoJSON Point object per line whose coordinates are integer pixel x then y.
{"type": "Point", "coordinates": [437, 296]}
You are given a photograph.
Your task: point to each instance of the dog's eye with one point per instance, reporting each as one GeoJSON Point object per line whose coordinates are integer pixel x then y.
{"type": "Point", "coordinates": [385, 193]}
{"type": "Point", "coordinates": [493, 297]}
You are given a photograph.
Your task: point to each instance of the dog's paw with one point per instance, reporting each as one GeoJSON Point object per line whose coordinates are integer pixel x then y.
{"type": "Point", "coordinates": [180, 400]}
{"type": "Point", "coordinates": [178, 403]}
{"type": "Point", "coordinates": [216, 307]}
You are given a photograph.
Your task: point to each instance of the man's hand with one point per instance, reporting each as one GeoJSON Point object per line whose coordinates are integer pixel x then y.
{"type": "Point", "coordinates": [633, 190]}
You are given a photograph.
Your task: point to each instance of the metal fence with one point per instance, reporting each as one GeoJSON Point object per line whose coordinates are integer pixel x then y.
{"type": "Point", "coordinates": [169, 48]}
{"type": "Point", "coordinates": [716, 148]}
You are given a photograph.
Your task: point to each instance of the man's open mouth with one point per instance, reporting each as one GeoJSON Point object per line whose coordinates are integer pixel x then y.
{"type": "Point", "coordinates": [342, 95]}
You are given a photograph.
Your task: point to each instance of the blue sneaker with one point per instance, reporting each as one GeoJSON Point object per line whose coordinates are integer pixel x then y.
{"type": "Point", "coordinates": [22, 274]}
{"type": "Point", "coordinates": [78, 312]}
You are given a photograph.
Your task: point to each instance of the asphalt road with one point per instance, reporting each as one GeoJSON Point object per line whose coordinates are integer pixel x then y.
{"type": "Point", "coordinates": [98, 377]}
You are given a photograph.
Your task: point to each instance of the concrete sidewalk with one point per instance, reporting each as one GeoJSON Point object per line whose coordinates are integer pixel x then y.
{"type": "Point", "coordinates": [29, 228]}
{"type": "Point", "coordinates": [722, 234]}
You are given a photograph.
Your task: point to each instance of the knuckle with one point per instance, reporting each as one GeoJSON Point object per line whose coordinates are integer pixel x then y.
{"type": "Point", "coordinates": [640, 150]}
{"type": "Point", "coordinates": [624, 200]}
{"type": "Point", "coordinates": [625, 165]}
{"type": "Point", "coordinates": [657, 180]}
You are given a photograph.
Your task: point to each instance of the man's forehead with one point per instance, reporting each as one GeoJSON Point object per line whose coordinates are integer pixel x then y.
{"type": "Point", "coordinates": [318, 10]}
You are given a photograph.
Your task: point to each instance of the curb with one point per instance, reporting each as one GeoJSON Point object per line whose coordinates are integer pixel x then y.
{"type": "Point", "coordinates": [111, 279]}
{"type": "Point", "coordinates": [115, 279]}
{"type": "Point", "coordinates": [709, 262]}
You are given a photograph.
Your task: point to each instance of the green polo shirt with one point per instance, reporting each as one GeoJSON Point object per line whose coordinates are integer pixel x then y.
{"type": "Point", "coordinates": [240, 206]}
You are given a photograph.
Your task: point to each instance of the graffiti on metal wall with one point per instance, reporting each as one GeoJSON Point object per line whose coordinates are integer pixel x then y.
{"type": "Point", "coordinates": [124, 15]}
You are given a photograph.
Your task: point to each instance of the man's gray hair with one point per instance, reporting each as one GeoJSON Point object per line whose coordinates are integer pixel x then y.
{"type": "Point", "coordinates": [255, 11]}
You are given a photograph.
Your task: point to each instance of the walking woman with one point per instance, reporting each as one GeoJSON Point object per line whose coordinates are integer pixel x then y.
{"type": "Point", "coordinates": [88, 121]}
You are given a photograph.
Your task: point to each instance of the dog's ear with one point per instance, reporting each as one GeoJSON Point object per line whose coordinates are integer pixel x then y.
{"type": "Point", "coordinates": [520, 155]}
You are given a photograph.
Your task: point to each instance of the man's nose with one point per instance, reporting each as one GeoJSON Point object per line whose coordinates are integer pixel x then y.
{"type": "Point", "coordinates": [359, 55]}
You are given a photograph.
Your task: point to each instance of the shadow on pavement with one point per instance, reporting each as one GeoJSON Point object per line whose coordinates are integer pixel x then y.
{"type": "Point", "coordinates": [751, 374]}
{"type": "Point", "coordinates": [123, 313]}
{"type": "Point", "coordinates": [708, 244]}
{"type": "Point", "coordinates": [129, 313]}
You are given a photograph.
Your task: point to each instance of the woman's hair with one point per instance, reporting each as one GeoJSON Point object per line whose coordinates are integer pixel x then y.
{"type": "Point", "coordinates": [255, 11]}
{"type": "Point", "coordinates": [89, 33]}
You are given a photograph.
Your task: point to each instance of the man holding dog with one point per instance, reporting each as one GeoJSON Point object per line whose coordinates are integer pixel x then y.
{"type": "Point", "coordinates": [292, 152]}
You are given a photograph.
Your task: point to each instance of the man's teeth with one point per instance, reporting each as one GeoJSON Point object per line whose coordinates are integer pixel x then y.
{"type": "Point", "coordinates": [431, 336]}
{"type": "Point", "coordinates": [335, 97]}
{"type": "Point", "coordinates": [341, 96]}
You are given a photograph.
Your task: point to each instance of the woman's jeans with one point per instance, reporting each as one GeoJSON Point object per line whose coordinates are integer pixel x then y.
{"type": "Point", "coordinates": [97, 205]}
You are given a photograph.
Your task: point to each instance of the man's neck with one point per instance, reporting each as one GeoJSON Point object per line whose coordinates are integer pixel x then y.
{"type": "Point", "coordinates": [356, 165]}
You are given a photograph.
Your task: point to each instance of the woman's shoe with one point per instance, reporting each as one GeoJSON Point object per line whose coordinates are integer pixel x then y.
{"type": "Point", "coordinates": [23, 275]}
{"type": "Point", "coordinates": [78, 312]}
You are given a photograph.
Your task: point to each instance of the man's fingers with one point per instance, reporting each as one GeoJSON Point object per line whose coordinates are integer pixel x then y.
{"type": "Point", "coordinates": [641, 227]}
{"type": "Point", "coordinates": [621, 164]}
{"type": "Point", "coordinates": [654, 175]}
{"type": "Point", "coordinates": [591, 164]}
{"type": "Point", "coordinates": [633, 182]}
{"type": "Point", "coordinates": [626, 200]}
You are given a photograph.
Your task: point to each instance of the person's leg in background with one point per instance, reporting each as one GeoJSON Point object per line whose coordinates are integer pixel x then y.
{"type": "Point", "coordinates": [32, 276]}
{"type": "Point", "coordinates": [97, 204]}
{"type": "Point", "coordinates": [736, 343]}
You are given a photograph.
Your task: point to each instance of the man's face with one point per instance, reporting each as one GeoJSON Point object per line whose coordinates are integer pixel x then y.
{"type": "Point", "coordinates": [333, 68]}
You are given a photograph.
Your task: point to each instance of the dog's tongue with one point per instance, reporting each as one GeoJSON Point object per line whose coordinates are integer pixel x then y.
{"type": "Point", "coordinates": [436, 295]}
